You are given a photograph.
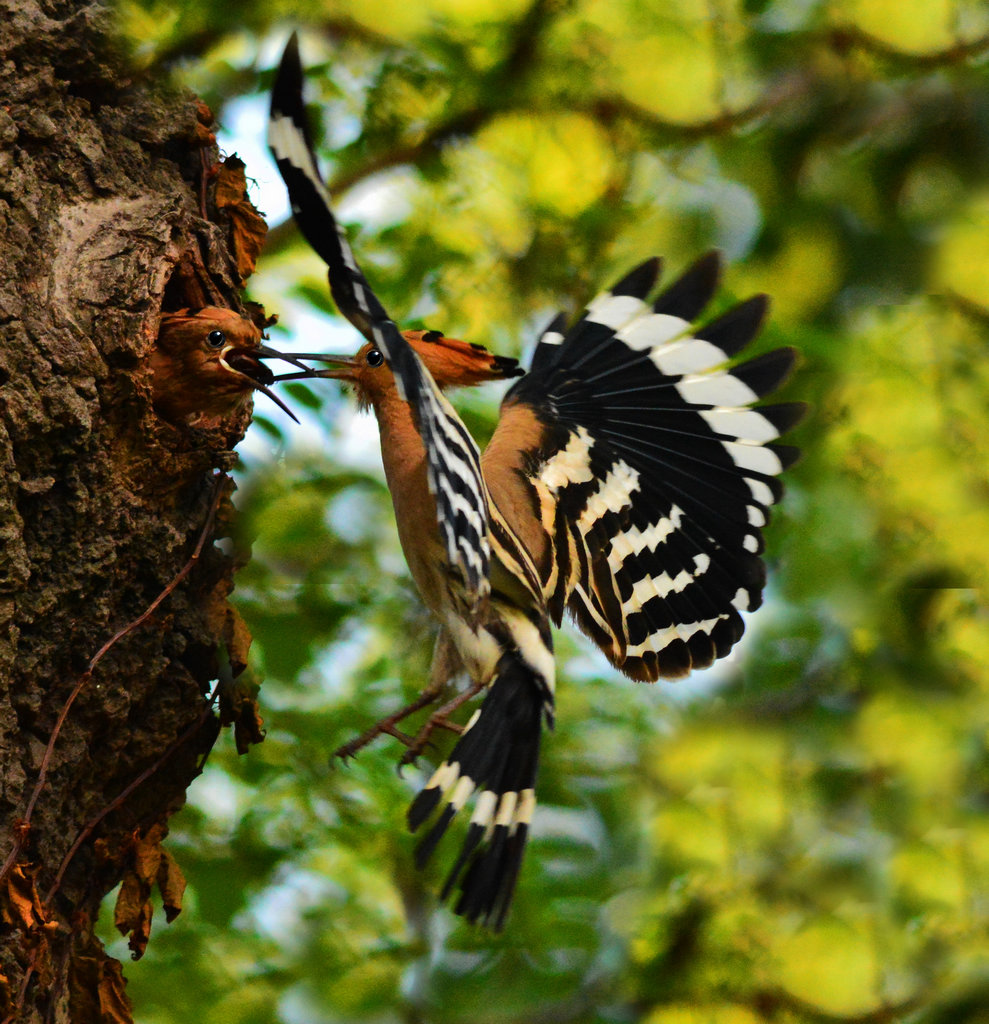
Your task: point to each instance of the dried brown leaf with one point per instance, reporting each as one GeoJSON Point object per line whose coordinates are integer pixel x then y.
{"type": "Point", "coordinates": [23, 905]}
{"type": "Point", "coordinates": [237, 638]}
{"type": "Point", "coordinates": [147, 853]}
{"type": "Point", "coordinates": [239, 707]}
{"type": "Point", "coordinates": [115, 1006]}
{"type": "Point", "coordinates": [200, 137]}
{"type": "Point", "coordinates": [171, 885]}
{"type": "Point", "coordinates": [138, 941]}
{"type": "Point", "coordinates": [150, 864]}
{"type": "Point", "coordinates": [85, 975]}
{"type": "Point", "coordinates": [132, 896]}
{"type": "Point", "coordinates": [248, 727]}
{"type": "Point", "coordinates": [247, 227]}
{"type": "Point", "coordinates": [256, 314]}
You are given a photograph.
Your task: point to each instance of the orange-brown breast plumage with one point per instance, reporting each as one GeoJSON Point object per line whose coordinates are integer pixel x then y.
{"type": "Point", "coordinates": [452, 363]}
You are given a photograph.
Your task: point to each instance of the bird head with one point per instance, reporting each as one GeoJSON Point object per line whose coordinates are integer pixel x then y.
{"type": "Point", "coordinates": [207, 362]}
{"type": "Point", "coordinates": [451, 362]}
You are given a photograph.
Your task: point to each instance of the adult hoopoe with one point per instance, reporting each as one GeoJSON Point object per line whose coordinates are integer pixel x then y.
{"type": "Point", "coordinates": [627, 482]}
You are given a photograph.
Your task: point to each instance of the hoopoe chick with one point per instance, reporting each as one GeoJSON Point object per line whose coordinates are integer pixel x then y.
{"type": "Point", "coordinates": [207, 362]}
{"type": "Point", "coordinates": [627, 482]}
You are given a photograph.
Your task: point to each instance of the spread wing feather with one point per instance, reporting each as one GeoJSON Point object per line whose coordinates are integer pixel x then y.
{"type": "Point", "coordinates": [654, 475]}
{"type": "Point", "coordinates": [453, 460]}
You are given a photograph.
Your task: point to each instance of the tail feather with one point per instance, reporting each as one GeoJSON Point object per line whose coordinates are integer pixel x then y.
{"type": "Point", "coordinates": [498, 754]}
{"type": "Point", "coordinates": [489, 884]}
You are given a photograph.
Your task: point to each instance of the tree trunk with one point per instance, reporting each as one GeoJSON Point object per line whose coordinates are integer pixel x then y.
{"type": "Point", "coordinates": [102, 503]}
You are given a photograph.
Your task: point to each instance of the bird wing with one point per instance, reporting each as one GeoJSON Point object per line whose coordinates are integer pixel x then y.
{"type": "Point", "coordinates": [452, 457]}
{"type": "Point", "coordinates": [647, 477]}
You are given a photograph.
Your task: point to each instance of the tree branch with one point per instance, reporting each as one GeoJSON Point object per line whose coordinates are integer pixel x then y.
{"type": "Point", "coordinates": [850, 37]}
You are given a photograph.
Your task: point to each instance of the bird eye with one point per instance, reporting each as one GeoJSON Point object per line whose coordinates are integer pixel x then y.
{"type": "Point", "coordinates": [215, 339]}
{"type": "Point", "coordinates": [375, 358]}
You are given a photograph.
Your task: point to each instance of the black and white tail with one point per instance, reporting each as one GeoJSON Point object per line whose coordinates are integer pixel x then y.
{"type": "Point", "coordinates": [497, 756]}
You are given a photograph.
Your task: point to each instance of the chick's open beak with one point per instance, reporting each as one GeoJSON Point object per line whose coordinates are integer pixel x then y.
{"type": "Point", "coordinates": [247, 363]}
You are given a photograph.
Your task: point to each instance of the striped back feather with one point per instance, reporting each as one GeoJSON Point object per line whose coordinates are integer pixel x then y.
{"type": "Point", "coordinates": [654, 476]}
{"type": "Point", "coordinates": [452, 458]}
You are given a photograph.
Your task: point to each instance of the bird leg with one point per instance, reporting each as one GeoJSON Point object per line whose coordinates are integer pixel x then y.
{"type": "Point", "coordinates": [388, 725]}
{"type": "Point", "coordinates": [439, 719]}
{"type": "Point", "coordinates": [446, 664]}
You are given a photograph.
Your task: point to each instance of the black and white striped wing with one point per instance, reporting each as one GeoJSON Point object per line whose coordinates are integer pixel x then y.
{"type": "Point", "coordinates": [654, 477]}
{"type": "Point", "coordinates": [453, 460]}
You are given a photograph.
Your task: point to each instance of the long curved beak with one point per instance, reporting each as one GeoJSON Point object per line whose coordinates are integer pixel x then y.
{"type": "Point", "coordinates": [265, 352]}
{"type": "Point", "coordinates": [343, 366]}
{"type": "Point", "coordinates": [247, 363]}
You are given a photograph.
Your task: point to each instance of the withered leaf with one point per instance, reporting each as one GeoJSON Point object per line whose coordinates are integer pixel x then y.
{"type": "Point", "coordinates": [23, 905]}
{"type": "Point", "coordinates": [85, 975]}
{"type": "Point", "coordinates": [200, 137]}
{"type": "Point", "coordinates": [115, 1006]}
{"type": "Point", "coordinates": [239, 708]}
{"type": "Point", "coordinates": [150, 864]}
{"type": "Point", "coordinates": [147, 853]}
{"type": "Point", "coordinates": [133, 894]}
{"type": "Point", "coordinates": [138, 941]}
{"type": "Point", "coordinates": [247, 227]}
{"type": "Point", "coordinates": [171, 885]}
{"type": "Point", "coordinates": [225, 622]}
{"type": "Point", "coordinates": [248, 727]}
{"type": "Point", "coordinates": [203, 113]}
{"type": "Point", "coordinates": [256, 314]}
{"type": "Point", "coordinates": [237, 638]}
{"type": "Point", "coordinates": [201, 134]}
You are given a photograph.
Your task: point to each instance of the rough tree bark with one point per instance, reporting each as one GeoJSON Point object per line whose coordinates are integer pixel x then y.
{"type": "Point", "coordinates": [101, 502]}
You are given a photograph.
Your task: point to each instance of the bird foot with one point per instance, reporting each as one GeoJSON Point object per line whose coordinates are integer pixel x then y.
{"type": "Point", "coordinates": [388, 726]}
{"type": "Point", "coordinates": [439, 719]}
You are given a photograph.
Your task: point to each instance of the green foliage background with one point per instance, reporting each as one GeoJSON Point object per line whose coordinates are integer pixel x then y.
{"type": "Point", "coordinates": [802, 835]}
